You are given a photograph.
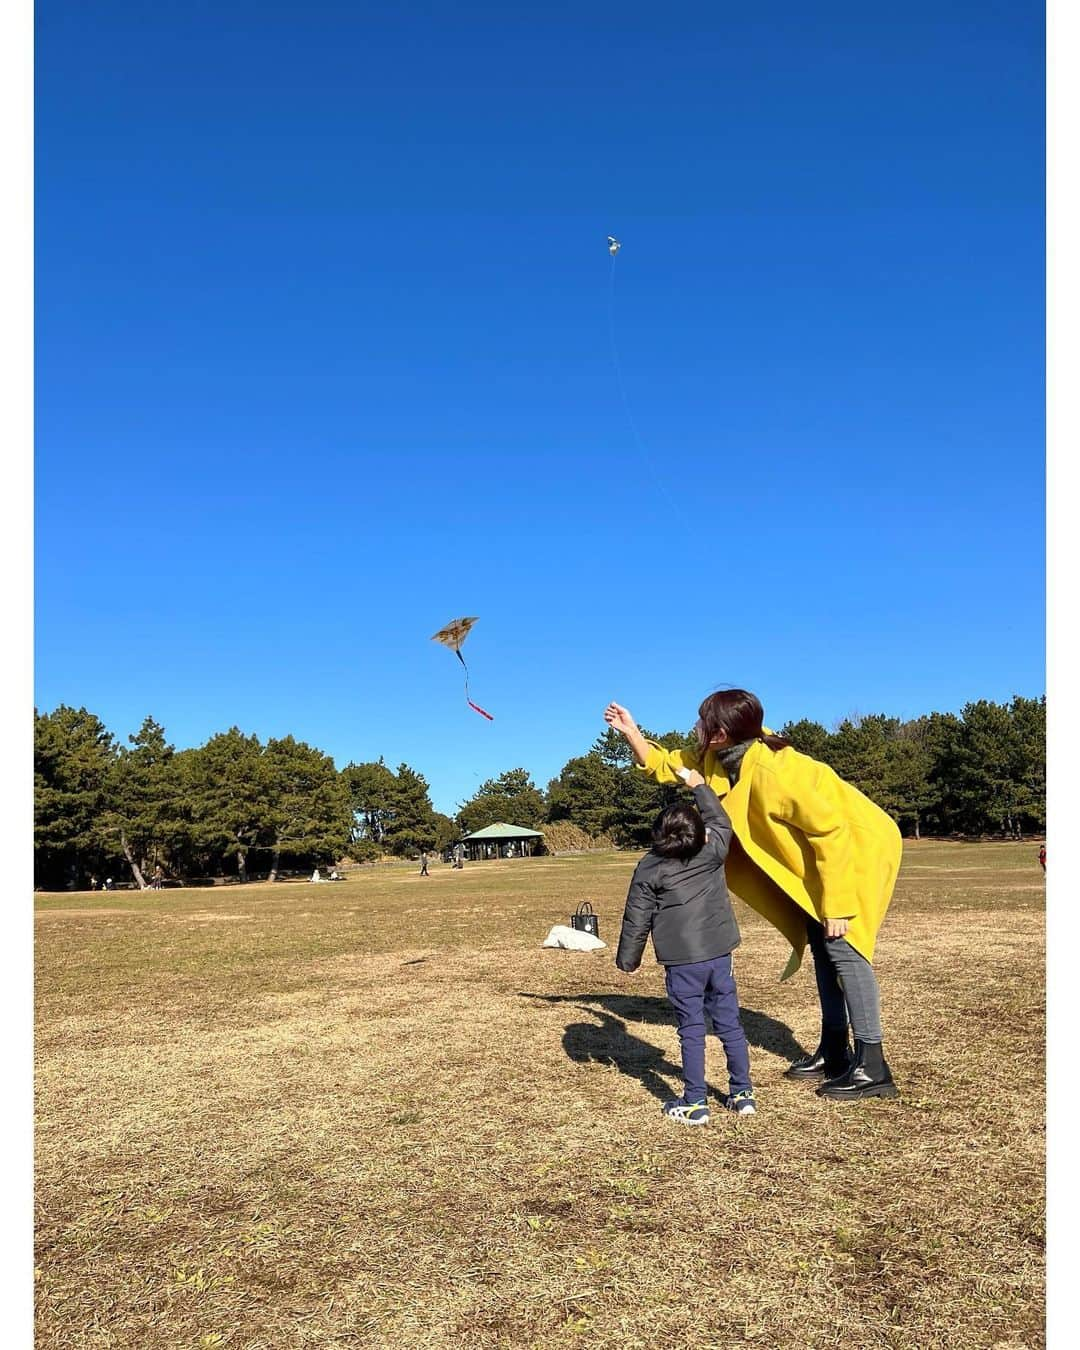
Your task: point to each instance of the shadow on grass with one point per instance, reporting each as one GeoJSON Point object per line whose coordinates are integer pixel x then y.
{"type": "Point", "coordinates": [609, 1040]}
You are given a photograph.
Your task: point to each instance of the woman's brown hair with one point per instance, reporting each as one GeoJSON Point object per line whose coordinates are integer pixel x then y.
{"type": "Point", "coordinates": [739, 714]}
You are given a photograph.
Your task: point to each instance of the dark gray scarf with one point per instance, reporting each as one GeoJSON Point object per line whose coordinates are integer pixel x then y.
{"type": "Point", "coordinates": [731, 757]}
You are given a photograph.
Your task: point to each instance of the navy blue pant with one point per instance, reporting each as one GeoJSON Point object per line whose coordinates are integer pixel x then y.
{"type": "Point", "coordinates": [701, 987]}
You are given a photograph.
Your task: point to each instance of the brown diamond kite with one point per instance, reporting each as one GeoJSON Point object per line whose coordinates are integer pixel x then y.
{"type": "Point", "coordinates": [452, 636]}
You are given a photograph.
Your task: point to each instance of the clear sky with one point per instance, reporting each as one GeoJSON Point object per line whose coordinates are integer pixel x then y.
{"type": "Point", "coordinates": [324, 361]}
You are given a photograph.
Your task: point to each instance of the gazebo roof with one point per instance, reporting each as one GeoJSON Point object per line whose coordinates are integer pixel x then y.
{"type": "Point", "coordinates": [502, 831]}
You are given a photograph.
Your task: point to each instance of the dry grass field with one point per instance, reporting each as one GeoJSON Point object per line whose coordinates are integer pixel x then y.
{"type": "Point", "coordinates": [376, 1113]}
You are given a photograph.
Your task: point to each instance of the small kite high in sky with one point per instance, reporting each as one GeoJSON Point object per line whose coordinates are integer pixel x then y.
{"type": "Point", "coordinates": [613, 245]}
{"type": "Point", "coordinates": [452, 636]}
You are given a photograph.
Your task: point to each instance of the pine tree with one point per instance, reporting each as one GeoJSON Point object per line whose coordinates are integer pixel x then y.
{"type": "Point", "coordinates": [309, 810]}
{"type": "Point", "coordinates": [412, 823]}
{"type": "Point", "coordinates": [144, 816]}
{"type": "Point", "coordinates": [809, 738]}
{"type": "Point", "coordinates": [229, 796]}
{"type": "Point", "coordinates": [372, 788]}
{"type": "Point", "coordinates": [584, 793]}
{"type": "Point", "coordinates": [73, 755]}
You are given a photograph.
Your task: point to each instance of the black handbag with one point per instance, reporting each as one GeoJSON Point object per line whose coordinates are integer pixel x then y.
{"type": "Point", "coordinates": [585, 921]}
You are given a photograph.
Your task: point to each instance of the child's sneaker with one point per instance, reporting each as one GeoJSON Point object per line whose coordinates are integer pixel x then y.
{"type": "Point", "coordinates": [687, 1113]}
{"type": "Point", "coordinates": [742, 1103]}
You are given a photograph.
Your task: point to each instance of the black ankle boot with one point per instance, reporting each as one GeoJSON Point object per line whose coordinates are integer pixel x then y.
{"type": "Point", "coordinates": [868, 1076]}
{"type": "Point", "coordinates": [831, 1059]}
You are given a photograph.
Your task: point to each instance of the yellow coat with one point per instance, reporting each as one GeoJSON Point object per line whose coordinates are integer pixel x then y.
{"type": "Point", "coordinates": [807, 842]}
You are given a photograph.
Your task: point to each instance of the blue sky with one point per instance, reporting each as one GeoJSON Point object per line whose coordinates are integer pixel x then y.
{"type": "Point", "coordinates": [323, 361]}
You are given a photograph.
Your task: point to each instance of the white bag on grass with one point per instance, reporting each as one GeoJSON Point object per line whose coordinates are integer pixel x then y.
{"type": "Point", "coordinates": [573, 939]}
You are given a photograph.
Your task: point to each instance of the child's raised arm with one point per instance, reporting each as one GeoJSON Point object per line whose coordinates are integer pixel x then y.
{"type": "Point", "coordinates": [712, 813]}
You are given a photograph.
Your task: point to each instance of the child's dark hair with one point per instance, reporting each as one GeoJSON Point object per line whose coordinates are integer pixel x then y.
{"type": "Point", "coordinates": [678, 831]}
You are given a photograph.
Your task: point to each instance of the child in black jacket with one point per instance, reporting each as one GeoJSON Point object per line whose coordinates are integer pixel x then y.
{"type": "Point", "coordinates": [679, 895]}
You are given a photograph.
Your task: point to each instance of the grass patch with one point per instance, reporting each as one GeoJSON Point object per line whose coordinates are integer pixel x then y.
{"type": "Point", "coordinates": [377, 1112]}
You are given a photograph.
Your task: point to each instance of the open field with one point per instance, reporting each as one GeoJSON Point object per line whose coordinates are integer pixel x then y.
{"type": "Point", "coordinates": [376, 1113]}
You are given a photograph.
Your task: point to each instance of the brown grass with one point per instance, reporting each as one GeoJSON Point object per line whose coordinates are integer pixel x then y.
{"type": "Point", "coordinates": [377, 1113]}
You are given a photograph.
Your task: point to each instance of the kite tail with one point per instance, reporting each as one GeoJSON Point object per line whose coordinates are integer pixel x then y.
{"type": "Point", "coordinates": [474, 706]}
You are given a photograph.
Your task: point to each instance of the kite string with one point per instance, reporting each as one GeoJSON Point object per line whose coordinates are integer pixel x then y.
{"type": "Point", "coordinates": [642, 449]}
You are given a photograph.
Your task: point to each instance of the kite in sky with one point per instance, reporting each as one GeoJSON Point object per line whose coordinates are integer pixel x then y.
{"type": "Point", "coordinates": [452, 636]}
{"type": "Point", "coordinates": [613, 245]}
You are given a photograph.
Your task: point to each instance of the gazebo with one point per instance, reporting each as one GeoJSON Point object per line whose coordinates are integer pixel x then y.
{"type": "Point", "coordinates": [501, 841]}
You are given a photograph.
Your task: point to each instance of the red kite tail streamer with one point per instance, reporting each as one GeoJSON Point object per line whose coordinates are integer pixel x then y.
{"type": "Point", "coordinates": [474, 706]}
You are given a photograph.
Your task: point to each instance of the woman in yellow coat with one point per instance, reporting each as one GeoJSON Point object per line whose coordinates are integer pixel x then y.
{"type": "Point", "coordinates": [814, 856]}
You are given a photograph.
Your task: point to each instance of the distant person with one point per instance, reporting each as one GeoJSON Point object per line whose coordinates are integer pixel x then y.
{"type": "Point", "coordinates": [159, 877]}
{"type": "Point", "coordinates": [335, 875]}
{"type": "Point", "coordinates": [423, 863]}
{"type": "Point", "coordinates": [818, 860]}
{"type": "Point", "coordinates": [316, 875]}
{"type": "Point", "coordinates": [1042, 856]}
{"type": "Point", "coordinates": [459, 855]}
{"type": "Point", "coordinates": [93, 883]}
{"type": "Point", "coordinates": [109, 884]}
{"type": "Point", "coordinates": [679, 895]}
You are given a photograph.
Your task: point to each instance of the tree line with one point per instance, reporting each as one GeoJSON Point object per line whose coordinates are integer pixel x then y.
{"type": "Point", "coordinates": [241, 807]}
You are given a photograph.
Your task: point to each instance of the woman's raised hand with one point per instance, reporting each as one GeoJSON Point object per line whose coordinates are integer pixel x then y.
{"type": "Point", "coordinates": [618, 717]}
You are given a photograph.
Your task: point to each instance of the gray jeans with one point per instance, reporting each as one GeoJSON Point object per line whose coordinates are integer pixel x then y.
{"type": "Point", "coordinates": [847, 986]}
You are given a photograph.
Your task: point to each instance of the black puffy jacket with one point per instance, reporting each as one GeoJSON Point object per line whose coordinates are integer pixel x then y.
{"type": "Point", "coordinates": [684, 905]}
